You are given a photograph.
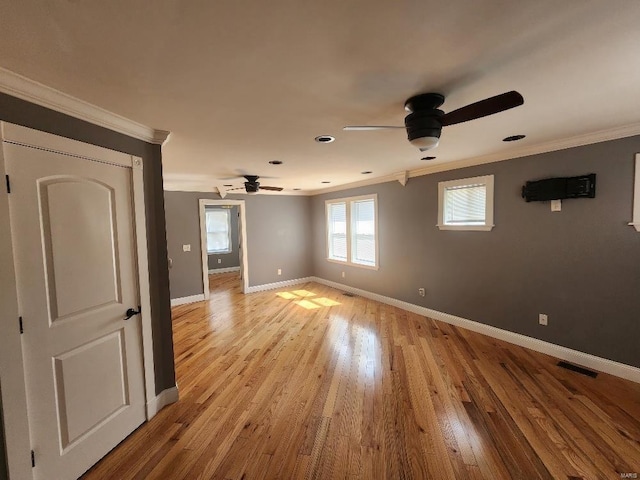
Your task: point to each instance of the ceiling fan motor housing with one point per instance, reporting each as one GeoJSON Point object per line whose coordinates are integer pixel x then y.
{"type": "Point", "coordinates": [252, 187]}
{"type": "Point", "coordinates": [425, 123]}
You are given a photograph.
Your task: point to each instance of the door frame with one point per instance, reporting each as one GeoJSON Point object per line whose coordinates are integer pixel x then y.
{"type": "Point", "coordinates": [12, 372]}
{"type": "Point", "coordinates": [244, 247]}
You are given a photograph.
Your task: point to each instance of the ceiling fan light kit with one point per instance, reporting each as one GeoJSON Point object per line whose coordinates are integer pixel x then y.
{"type": "Point", "coordinates": [425, 121]}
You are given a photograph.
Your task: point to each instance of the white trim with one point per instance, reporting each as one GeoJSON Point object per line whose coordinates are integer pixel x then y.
{"type": "Point", "coordinates": [488, 182]}
{"type": "Point", "coordinates": [26, 89]}
{"type": "Point", "coordinates": [164, 398]}
{"type": "Point", "coordinates": [600, 364]}
{"type": "Point", "coordinates": [214, 271]}
{"type": "Point", "coordinates": [636, 196]}
{"type": "Point", "coordinates": [184, 300]}
{"type": "Point", "coordinates": [243, 245]}
{"type": "Point", "coordinates": [140, 228]}
{"type": "Point", "coordinates": [348, 204]}
{"type": "Point", "coordinates": [283, 284]}
{"type": "Point", "coordinates": [12, 378]}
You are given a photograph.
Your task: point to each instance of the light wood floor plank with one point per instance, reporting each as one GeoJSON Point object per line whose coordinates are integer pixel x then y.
{"type": "Point", "coordinates": [312, 384]}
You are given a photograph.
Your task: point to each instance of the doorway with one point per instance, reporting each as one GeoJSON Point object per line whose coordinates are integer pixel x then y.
{"type": "Point", "coordinates": [242, 240]}
{"type": "Point", "coordinates": [74, 229]}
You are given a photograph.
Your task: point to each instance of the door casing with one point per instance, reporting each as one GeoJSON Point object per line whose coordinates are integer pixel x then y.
{"type": "Point", "coordinates": [12, 373]}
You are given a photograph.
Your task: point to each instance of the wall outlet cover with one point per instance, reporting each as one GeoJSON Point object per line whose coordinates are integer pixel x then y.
{"type": "Point", "coordinates": [543, 319]}
{"type": "Point", "coordinates": [186, 248]}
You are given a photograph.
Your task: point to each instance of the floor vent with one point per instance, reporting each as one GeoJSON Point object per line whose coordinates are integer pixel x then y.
{"type": "Point", "coordinates": [575, 368]}
{"type": "Point", "coordinates": [348, 294]}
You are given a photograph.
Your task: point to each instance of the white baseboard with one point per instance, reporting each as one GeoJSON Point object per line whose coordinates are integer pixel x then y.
{"type": "Point", "coordinates": [183, 300]}
{"type": "Point", "coordinates": [224, 270]}
{"type": "Point", "coordinates": [166, 397]}
{"type": "Point", "coordinates": [587, 360]}
{"type": "Point", "coordinates": [285, 283]}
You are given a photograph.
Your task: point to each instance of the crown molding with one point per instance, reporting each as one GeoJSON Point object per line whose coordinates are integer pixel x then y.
{"type": "Point", "coordinates": [563, 144]}
{"type": "Point", "coordinates": [26, 89]}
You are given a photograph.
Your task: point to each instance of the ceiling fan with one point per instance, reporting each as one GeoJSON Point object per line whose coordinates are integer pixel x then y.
{"type": "Point", "coordinates": [252, 185]}
{"type": "Point", "coordinates": [424, 122]}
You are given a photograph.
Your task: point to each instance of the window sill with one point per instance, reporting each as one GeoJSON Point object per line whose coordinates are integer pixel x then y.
{"type": "Point", "coordinates": [351, 264]}
{"type": "Point", "coordinates": [477, 228]}
{"type": "Point", "coordinates": [218, 253]}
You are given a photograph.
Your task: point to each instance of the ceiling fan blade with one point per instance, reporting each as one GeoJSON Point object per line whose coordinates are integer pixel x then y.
{"type": "Point", "coordinates": [361, 128]}
{"type": "Point", "coordinates": [275, 189]}
{"type": "Point", "coordinates": [235, 188]}
{"type": "Point", "coordinates": [485, 107]}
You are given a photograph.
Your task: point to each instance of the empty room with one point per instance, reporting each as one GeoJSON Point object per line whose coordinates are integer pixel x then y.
{"type": "Point", "coordinates": [319, 240]}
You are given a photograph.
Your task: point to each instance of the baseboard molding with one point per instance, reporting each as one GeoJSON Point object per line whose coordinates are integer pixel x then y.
{"type": "Point", "coordinates": [587, 360]}
{"type": "Point", "coordinates": [223, 270]}
{"type": "Point", "coordinates": [164, 398]}
{"type": "Point", "coordinates": [184, 300]}
{"type": "Point", "coordinates": [273, 286]}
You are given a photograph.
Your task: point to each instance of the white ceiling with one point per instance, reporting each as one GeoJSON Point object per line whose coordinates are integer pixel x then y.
{"type": "Point", "coordinates": [239, 83]}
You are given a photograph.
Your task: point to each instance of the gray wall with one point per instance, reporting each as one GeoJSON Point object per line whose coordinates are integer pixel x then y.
{"type": "Point", "coordinates": [581, 266]}
{"type": "Point", "coordinates": [29, 115]}
{"type": "Point", "coordinates": [226, 260]}
{"type": "Point", "coordinates": [278, 236]}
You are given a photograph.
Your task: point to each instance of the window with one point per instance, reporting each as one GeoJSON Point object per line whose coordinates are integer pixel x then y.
{"type": "Point", "coordinates": [218, 230]}
{"type": "Point", "coordinates": [352, 231]}
{"type": "Point", "coordinates": [466, 204]}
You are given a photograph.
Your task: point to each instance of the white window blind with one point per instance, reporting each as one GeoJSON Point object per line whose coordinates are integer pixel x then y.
{"type": "Point", "coordinates": [465, 205]}
{"type": "Point", "coordinates": [337, 226]}
{"type": "Point", "coordinates": [352, 231]}
{"type": "Point", "coordinates": [218, 230]}
{"type": "Point", "coordinates": [363, 246]}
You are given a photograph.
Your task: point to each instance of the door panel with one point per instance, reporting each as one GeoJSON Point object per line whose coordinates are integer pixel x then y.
{"type": "Point", "coordinates": [92, 374]}
{"type": "Point", "coordinates": [74, 249]}
{"type": "Point", "coordinates": [79, 283]}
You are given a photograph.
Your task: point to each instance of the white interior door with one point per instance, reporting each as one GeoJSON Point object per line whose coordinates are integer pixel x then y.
{"type": "Point", "coordinates": [74, 246]}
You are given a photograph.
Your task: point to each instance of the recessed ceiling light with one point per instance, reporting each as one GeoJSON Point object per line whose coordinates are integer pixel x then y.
{"type": "Point", "coordinates": [227, 185]}
{"type": "Point", "coordinates": [513, 138]}
{"type": "Point", "coordinates": [366, 172]}
{"type": "Point", "coordinates": [276, 162]}
{"type": "Point", "coordinates": [326, 181]}
{"type": "Point", "coordinates": [325, 139]}
{"type": "Point", "coordinates": [427, 158]}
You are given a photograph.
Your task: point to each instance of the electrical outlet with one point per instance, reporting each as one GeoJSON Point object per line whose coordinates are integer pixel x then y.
{"type": "Point", "coordinates": [556, 205]}
{"type": "Point", "coordinates": [279, 271]}
{"type": "Point", "coordinates": [342, 274]}
{"type": "Point", "coordinates": [219, 260]}
{"type": "Point", "coordinates": [186, 248]}
{"type": "Point", "coordinates": [543, 319]}
{"type": "Point", "coordinates": [422, 292]}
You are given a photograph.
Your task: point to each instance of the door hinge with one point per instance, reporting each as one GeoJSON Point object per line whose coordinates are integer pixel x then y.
{"type": "Point", "coordinates": [33, 459]}
{"type": "Point", "coordinates": [8, 183]}
{"type": "Point", "coordinates": [21, 326]}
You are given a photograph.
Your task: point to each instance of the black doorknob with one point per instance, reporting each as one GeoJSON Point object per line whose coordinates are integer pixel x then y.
{"type": "Point", "coordinates": [131, 312]}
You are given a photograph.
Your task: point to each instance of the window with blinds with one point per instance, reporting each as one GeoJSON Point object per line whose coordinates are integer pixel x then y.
{"type": "Point", "coordinates": [337, 226]}
{"type": "Point", "coordinates": [218, 223]}
{"type": "Point", "coordinates": [466, 204]}
{"type": "Point", "coordinates": [352, 231]}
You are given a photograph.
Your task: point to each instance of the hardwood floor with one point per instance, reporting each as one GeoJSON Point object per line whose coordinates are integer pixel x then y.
{"type": "Point", "coordinates": [308, 383]}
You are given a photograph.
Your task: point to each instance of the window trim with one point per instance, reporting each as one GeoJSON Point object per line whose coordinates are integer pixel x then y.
{"type": "Point", "coordinates": [481, 180]}
{"type": "Point", "coordinates": [348, 201]}
{"type": "Point", "coordinates": [228, 250]}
